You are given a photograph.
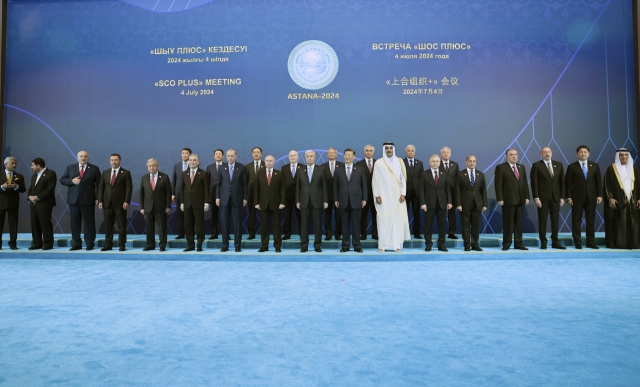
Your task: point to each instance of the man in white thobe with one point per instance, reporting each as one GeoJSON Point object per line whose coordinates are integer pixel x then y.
{"type": "Point", "coordinates": [389, 183]}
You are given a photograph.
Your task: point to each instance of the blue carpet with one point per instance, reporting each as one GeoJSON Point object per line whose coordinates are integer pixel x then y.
{"type": "Point", "coordinates": [565, 322]}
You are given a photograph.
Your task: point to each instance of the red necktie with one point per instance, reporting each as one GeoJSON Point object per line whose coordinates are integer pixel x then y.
{"type": "Point", "coordinates": [153, 183]}
{"type": "Point", "coordinates": [435, 176]}
{"type": "Point", "coordinates": [516, 172]}
{"type": "Point", "coordinates": [81, 171]}
{"type": "Point", "coordinates": [113, 178]}
{"type": "Point", "coordinates": [269, 178]}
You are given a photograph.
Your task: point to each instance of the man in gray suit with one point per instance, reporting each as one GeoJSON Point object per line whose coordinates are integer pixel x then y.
{"type": "Point", "coordinates": [311, 198]}
{"type": "Point", "coordinates": [155, 204]}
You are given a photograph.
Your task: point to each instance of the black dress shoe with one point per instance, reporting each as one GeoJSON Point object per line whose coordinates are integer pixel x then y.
{"type": "Point", "coordinates": [303, 250]}
{"type": "Point", "coordinates": [47, 248]}
{"type": "Point", "coordinates": [358, 250]}
{"type": "Point", "coordinates": [163, 249]}
{"type": "Point", "coordinates": [543, 247]}
{"type": "Point", "coordinates": [318, 250]}
{"type": "Point", "coordinates": [476, 248]}
{"type": "Point", "coordinates": [106, 248]}
{"type": "Point", "coordinates": [505, 248]}
{"type": "Point", "coordinates": [122, 248]}
{"type": "Point", "coordinates": [181, 236]}
{"type": "Point", "coordinates": [262, 250]}
{"type": "Point", "coordinates": [417, 236]}
{"type": "Point", "coordinates": [375, 236]}
{"type": "Point", "coordinates": [90, 247]}
{"type": "Point", "coordinates": [278, 251]}
{"type": "Point", "coordinates": [558, 247]}
{"type": "Point", "coordinates": [452, 236]}
{"type": "Point", "coordinates": [338, 237]}
{"type": "Point", "coordinates": [363, 237]}
{"type": "Point", "coordinates": [467, 249]}
{"type": "Point", "coordinates": [74, 248]}
{"type": "Point", "coordinates": [442, 248]}
{"type": "Point", "coordinates": [593, 247]}
{"type": "Point", "coordinates": [579, 247]}
{"type": "Point", "coordinates": [286, 237]}
{"type": "Point", "coordinates": [238, 249]}
{"type": "Point", "coordinates": [212, 237]}
{"type": "Point", "coordinates": [222, 250]}
{"type": "Point", "coordinates": [428, 248]}
{"type": "Point", "coordinates": [35, 247]}
{"type": "Point", "coordinates": [521, 248]}
{"type": "Point", "coordinates": [13, 247]}
{"type": "Point", "coordinates": [189, 248]}
{"type": "Point", "coordinates": [343, 250]}
{"type": "Point", "coordinates": [327, 238]}
{"type": "Point", "coordinates": [148, 248]}
{"type": "Point", "coordinates": [251, 237]}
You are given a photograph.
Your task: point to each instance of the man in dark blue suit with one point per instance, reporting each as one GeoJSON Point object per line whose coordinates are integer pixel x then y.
{"type": "Point", "coordinates": [350, 194]}
{"type": "Point", "coordinates": [82, 180]}
{"type": "Point", "coordinates": [176, 184]}
{"type": "Point", "coordinates": [231, 196]}
{"type": "Point", "coordinates": [212, 171]}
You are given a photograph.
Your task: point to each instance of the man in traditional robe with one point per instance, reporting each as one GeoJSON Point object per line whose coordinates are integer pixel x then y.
{"type": "Point", "coordinates": [621, 218]}
{"type": "Point", "coordinates": [389, 183]}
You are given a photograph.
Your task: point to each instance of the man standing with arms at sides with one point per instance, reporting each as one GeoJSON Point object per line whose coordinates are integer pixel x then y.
{"type": "Point", "coordinates": [350, 194]}
{"type": "Point", "coordinates": [368, 163]}
{"type": "Point", "coordinates": [451, 169]}
{"type": "Point", "coordinates": [195, 201]}
{"type": "Point", "coordinates": [270, 197]}
{"type": "Point", "coordinates": [583, 185]}
{"type": "Point", "coordinates": [10, 190]}
{"type": "Point", "coordinates": [547, 187]}
{"type": "Point", "coordinates": [389, 189]}
{"type": "Point", "coordinates": [471, 197]}
{"type": "Point", "coordinates": [289, 173]}
{"type": "Point", "coordinates": [436, 200]}
{"type": "Point", "coordinates": [311, 198]}
{"type": "Point", "coordinates": [329, 171]}
{"type": "Point", "coordinates": [82, 179]}
{"type": "Point", "coordinates": [252, 176]}
{"type": "Point", "coordinates": [231, 196]}
{"type": "Point", "coordinates": [512, 194]}
{"type": "Point", "coordinates": [42, 199]}
{"type": "Point", "coordinates": [155, 204]}
{"type": "Point", "coordinates": [176, 178]}
{"type": "Point", "coordinates": [212, 171]}
{"type": "Point", "coordinates": [621, 218]}
{"type": "Point", "coordinates": [114, 197]}
{"type": "Point", "coordinates": [414, 169]}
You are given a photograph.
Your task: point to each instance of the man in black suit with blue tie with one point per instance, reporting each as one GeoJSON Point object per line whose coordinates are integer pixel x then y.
{"type": "Point", "coordinates": [231, 197]}
{"type": "Point", "coordinates": [212, 171]}
{"type": "Point", "coordinates": [547, 187]}
{"type": "Point", "coordinates": [176, 179]}
{"type": "Point", "coordinates": [471, 198]}
{"type": "Point", "coordinates": [289, 173]}
{"type": "Point", "coordinates": [311, 198]}
{"type": "Point", "coordinates": [114, 196]}
{"type": "Point", "coordinates": [11, 186]}
{"type": "Point", "coordinates": [42, 199]}
{"type": "Point", "coordinates": [82, 180]}
{"type": "Point", "coordinates": [350, 195]}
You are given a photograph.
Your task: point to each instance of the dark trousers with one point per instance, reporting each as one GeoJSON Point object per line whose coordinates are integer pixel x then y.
{"type": "Point", "coordinates": [236, 214]}
{"type": "Point", "coordinates": [470, 221]}
{"type": "Point", "coordinates": [274, 216]}
{"type": "Point", "coordinates": [12, 214]}
{"type": "Point", "coordinates": [329, 212]}
{"type": "Point", "coordinates": [153, 219]}
{"type": "Point", "coordinates": [83, 214]}
{"type": "Point", "coordinates": [180, 216]}
{"type": "Point", "coordinates": [193, 215]}
{"type": "Point", "coordinates": [251, 220]}
{"type": "Point", "coordinates": [351, 216]}
{"type": "Point", "coordinates": [549, 208]}
{"type": "Point", "coordinates": [439, 214]}
{"type": "Point", "coordinates": [451, 217]}
{"type": "Point", "coordinates": [369, 208]}
{"type": "Point", "coordinates": [112, 215]}
{"type": "Point", "coordinates": [289, 209]}
{"type": "Point", "coordinates": [41, 227]}
{"type": "Point", "coordinates": [512, 224]}
{"type": "Point", "coordinates": [305, 214]}
{"type": "Point", "coordinates": [413, 207]}
{"type": "Point", "coordinates": [576, 223]}
{"type": "Point", "coordinates": [214, 219]}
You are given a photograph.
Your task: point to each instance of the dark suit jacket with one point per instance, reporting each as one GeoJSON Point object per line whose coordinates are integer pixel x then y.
{"type": "Point", "coordinates": [430, 193]}
{"type": "Point", "coordinates": [213, 181]}
{"type": "Point", "coordinates": [414, 183]}
{"type": "Point", "coordinates": [270, 196]}
{"type": "Point", "coordinates": [543, 186]}
{"type": "Point", "coordinates": [509, 189]}
{"type": "Point", "coordinates": [351, 192]}
{"type": "Point", "coordinates": [45, 190]}
{"type": "Point", "coordinates": [11, 197]}
{"type": "Point", "coordinates": [86, 192]}
{"type": "Point", "coordinates": [317, 190]}
{"type": "Point", "coordinates": [234, 190]}
{"type": "Point", "coordinates": [176, 179]}
{"type": "Point", "coordinates": [369, 175]}
{"type": "Point", "coordinates": [580, 190]}
{"type": "Point", "coordinates": [252, 178]}
{"type": "Point", "coordinates": [158, 199]}
{"type": "Point", "coordinates": [195, 194]}
{"type": "Point", "coordinates": [454, 168]}
{"type": "Point", "coordinates": [466, 195]}
{"type": "Point", "coordinates": [289, 180]}
{"type": "Point", "coordinates": [121, 191]}
{"type": "Point", "coordinates": [329, 179]}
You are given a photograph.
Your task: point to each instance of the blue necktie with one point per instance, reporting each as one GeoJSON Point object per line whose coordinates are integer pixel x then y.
{"type": "Point", "coordinates": [473, 178]}
{"type": "Point", "coordinates": [584, 169]}
{"type": "Point", "coordinates": [310, 174]}
{"type": "Point", "coordinates": [293, 170]}
{"type": "Point", "coordinates": [231, 171]}
{"type": "Point", "coordinates": [348, 173]}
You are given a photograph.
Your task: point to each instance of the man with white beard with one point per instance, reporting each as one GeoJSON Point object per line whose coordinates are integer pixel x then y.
{"type": "Point", "coordinates": [389, 183]}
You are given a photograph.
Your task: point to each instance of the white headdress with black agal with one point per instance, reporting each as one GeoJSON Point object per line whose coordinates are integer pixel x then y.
{"type": "Point", "coordinates": [625, 172]}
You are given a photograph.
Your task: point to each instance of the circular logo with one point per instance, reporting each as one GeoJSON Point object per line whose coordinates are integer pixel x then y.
{"type": "Point", "coordinates": [313, 64]}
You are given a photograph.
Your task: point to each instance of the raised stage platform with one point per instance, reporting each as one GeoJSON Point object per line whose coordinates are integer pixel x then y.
{"type": "Point", "coordinates": [413, 251]}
